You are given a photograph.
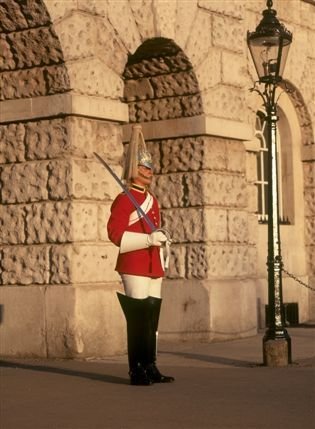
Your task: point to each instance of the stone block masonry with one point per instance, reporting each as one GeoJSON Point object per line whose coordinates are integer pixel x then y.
{"type": "Point", "coordinates": [201, 183]}
{"type": "Point", "coordinates": [53, 220]}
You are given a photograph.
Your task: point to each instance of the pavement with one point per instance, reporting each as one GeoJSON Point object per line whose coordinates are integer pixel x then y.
{"type": "Point", "coordinates": [218, 386]}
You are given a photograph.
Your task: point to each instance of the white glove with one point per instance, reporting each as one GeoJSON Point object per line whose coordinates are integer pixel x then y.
{"type": "Point", "coordinates": [156, 238]}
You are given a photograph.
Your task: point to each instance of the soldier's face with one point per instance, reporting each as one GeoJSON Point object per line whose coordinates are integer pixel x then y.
{"type": "Point", "coordinates": [144, 177]}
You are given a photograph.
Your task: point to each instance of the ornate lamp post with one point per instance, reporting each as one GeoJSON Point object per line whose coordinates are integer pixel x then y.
{"type": "Point", "coordinates": [269, 45]}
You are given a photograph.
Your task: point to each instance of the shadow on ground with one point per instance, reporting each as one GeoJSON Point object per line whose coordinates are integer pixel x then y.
{"type": "Point", "coordinates": [64, 371]}
{"type": "Point", "coordinates": [214, 359]}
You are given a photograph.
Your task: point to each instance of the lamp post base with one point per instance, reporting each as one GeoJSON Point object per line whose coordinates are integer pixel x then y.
{"type": "Point", "coordinates": [277, 352]}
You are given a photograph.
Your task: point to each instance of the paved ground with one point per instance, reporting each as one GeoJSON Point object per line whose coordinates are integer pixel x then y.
{"type": "Point", "coordinates": [218, 386]}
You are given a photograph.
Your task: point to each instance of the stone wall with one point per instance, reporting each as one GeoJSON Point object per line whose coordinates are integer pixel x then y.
{"type": "Point", "coordinates": [55, 204]}
{"type": "Point", "coordinates": [31, 59]}
{"type": "Point", "coordinates": [201, 183]}
{"type": "Point", "coordinates": [49, 203]}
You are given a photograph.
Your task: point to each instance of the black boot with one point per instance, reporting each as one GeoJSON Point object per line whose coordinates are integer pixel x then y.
{"type": "Point", "coordinates": [154, 374]}
{"type": "Point", "coordinates": [135, 311]}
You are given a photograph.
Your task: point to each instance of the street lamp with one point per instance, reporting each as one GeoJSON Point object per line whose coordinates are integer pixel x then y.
{"type": "Point", "coordinates": [269, 45]}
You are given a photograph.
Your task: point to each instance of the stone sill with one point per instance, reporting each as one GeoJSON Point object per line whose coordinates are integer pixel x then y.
{"type": "Point", "coordinates": [114, 110]}
{"type": "Point", "coordinates": [192, 126]}
{"type": "Point", "coordinates": [63, 104]}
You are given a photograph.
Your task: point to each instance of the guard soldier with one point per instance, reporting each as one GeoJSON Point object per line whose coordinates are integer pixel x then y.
{"type": "Point", "coordinates": [140, 261]}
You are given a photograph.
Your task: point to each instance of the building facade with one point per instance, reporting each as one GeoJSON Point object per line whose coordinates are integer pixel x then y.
{"type": "Point", "coordinates": [75, 75]}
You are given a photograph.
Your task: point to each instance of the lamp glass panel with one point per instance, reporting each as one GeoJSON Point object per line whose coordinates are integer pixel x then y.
{"type": "Point", "coordinates": [284, 56]}
{"type": "Point", "coordinates": [265, 52]}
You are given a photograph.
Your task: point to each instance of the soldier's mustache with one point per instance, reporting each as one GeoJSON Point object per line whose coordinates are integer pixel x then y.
{"type": "Point", "coordinates": [144, 176]}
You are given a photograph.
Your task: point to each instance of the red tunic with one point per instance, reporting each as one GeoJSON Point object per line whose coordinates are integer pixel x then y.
{"type": "Point", "coordinates": [143, 262]}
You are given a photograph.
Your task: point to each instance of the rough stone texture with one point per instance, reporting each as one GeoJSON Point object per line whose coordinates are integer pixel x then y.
{"type": "Point", "coordinates": [83, 263]}
{"type": "Point", "coordinates": [215, 224]}
{"type": "Point", "coordinates": [93, 77]}
{"type": "Point", "coordinates": [224, 190]}
{"type": "Point", "coordinates": [234, 9]}
{"type": "Point", "coordinates": [6, 56]}
{"type": "Point", "coordinates": [29, 48]}
{"type": "Point", "coordinates": [77, 35]}
{"type": "Point", "coordinates": [59, 183]}
{"type": "Point", "coordinates": [165, 18]}
{"type": "Point", "coordinates": [182, 155]}
{"type": "Point", "coordinates": [225, 102]}
{"type": "Point", "coordinates": [303, 113]}
{"type": "Point", "coordinates": [90, 181]}
{"type": "Point", "coordinates": [48, 223]}
{"type": "Point", "coordinates": [199, 41]}
{"type": "Point", "coordinates": [165, 108]}
{"type": "Point", "coordinates": [138, 89]}
{"type": "Point", "coordinates": [60, 9]}
{"type": "Point", "coordinates": [60, 264]}
{"type": "Point", "coordinates": [20, 15]}
{"type": "Point", "coordinates": [31, 57]}
{"type": "Point", "coordinates": [220, 261]}
{"type": "Point", "coordinates": [150, 67]}
{"type": "Point", "coordinates": [309, 192]}
{"type": "Point", "coordinates": [204, 152]}
{"type": "Point", "coordinates": [295, 70]}
{"type": "Point", "coordinates": [172, 184]}
{"type": "Point", "coordinates": [310, 202]}
{"type": "Point", "coordinates": [30, 182]}
{"type": "Point", "coordinates": [25, 265]}
{"type": "Point", "coordinates": [167, 87]}
{"type": "Point", "coordinates": [46, 139]}
{"type": "Point", "coordinates": [110, 48]}
{"type": "Point", "coordinates": [238, 226]}
{"type": "Point", "coordinates": [186, 12]}
{"type": "Point", "coordinates": [12, 17]}
{"type": "Point", "coordinates": [94, 263]}
{"type": "Point", "coordinates": [177, 268]}
{"type": "Point", "coordinates": [189, 225]}
{"type": "Point", "coordinates": [39, 209]}
{"type": "Point", "coordinates": [126, 28]}
{"type": "Point", "coordinates": [204, 188]}
{"type": "Point", "coordinates": [196, 224]}
{"type": "Point", "coordinates": [212, 62]}
{"type": "Point", "coordinates": [102, 218]}
{"type": "Point", "coordinates": [12, 143]}
{"type": "Point", "coordinates": [309, 174]}
{"type": "Point", "coordinates": [85, 221]}
{"type": "Point", "coordinates": [233, 69]}
{"type": "Point", "coordinates": [144, 16]}
{"type": "Point", "coordinates": [251, 167]}
{"type": "Point", "coordinates": [12, 224]}
{"type": "Point", "coordinates": [34, 82]}
{"type": "Point", "coordinates": [228, 33]}
{"type": "Point", "coordinates": [174, 84]}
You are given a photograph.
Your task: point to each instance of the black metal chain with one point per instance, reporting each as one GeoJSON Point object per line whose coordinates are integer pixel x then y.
{"type": "Point", "coordinates": [298, 280]}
